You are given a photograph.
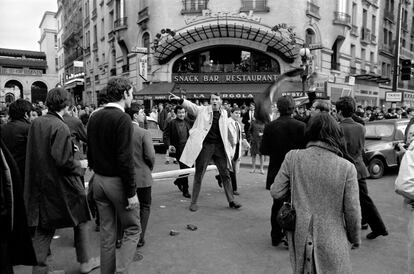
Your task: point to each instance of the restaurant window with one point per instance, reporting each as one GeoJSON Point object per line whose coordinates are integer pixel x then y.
{"type": "Point", "coordinates": [226, 60]}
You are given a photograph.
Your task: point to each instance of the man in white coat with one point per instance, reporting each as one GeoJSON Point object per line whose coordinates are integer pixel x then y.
{"type": "Point", "coordinates": [209, 140]}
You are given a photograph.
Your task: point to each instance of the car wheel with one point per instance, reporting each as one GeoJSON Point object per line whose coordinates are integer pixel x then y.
{"type": "Point", "coordinates": [376, 168]}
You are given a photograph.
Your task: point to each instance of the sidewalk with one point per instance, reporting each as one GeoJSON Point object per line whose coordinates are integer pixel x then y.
{"type": "Point", "coordinates": [246, 162]}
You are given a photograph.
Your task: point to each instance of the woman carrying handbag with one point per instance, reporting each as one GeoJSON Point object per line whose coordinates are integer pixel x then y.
{"type": "Point", "coordinates": [325, 198]}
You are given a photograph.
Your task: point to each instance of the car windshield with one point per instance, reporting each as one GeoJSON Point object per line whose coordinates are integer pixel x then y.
{"type": "Point", "coordinates": [379, 130]}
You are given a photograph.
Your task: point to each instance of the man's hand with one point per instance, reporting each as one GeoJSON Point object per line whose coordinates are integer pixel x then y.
{"type": "Point", "coordinates": [132, 202]}
{"type": "Point", "coordinates": [84, 163]}
{"type": "Point", "coordinates": [175, 99]}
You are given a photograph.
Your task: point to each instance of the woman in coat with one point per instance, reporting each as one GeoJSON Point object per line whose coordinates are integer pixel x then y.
{"type": "Point", "coordinates": [328, 214]}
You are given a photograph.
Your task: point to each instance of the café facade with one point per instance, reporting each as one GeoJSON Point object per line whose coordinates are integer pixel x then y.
{"type": "Point", "coordinates": [231, 53]}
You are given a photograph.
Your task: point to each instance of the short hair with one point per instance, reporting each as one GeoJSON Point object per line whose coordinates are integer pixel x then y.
{"type": "Point", "coordinates": [323, 105]}
{"type": "Point", "coordinates": [135, 108]}
{"type": "Point", "coordinates": [177, 108]}
{"type": "Point", "coordinates": [235, 109]}
{"type": "Point", "coordinates": [57, 99]}
{"type": "Point", "coordinates": [116, 87]}
{"type": "Point", "coordinates": [346, 105]}
{"type": "Point", "coordinates": [215, 94]}
{"type": "Point", "coordinates": [19, 108]}
{"type": "Point", "coordinates": [38, 111]}
{"type": "Point", "coordinates": [409, 110]}
{"type": "Point", "coordinates": [285, 105]}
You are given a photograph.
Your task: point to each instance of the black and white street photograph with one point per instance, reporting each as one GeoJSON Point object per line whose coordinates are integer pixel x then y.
{"type": "Point", "coordinates": [207, 136]}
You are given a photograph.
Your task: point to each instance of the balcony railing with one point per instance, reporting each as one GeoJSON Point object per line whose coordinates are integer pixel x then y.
{"type": "Point", "coordinates": [143, 15]}
{"type": "Point", "coordinates": [313, 10]}
{"type": "Point", "coordinates": [389, 15]}
{"type": "Point", "coordinates": [373, 38]}
{"type": "Point", "coordinates": [95, 46]}
{"type": "Point", "coordinates": [194, 6]}
{"type": "Point", "coordinates": [386, 48]}
{"type": "Point", "coordinates": [365, 35]}
{"type": "Point", "coordinates": [354, 31]}
{"type": "Point", "coordinates": [342, 18]}
{"type": "Point", "coordinates": [254, 5]}
{"type": "Point", "coordinates": [112, 72]}
{"type": "Point", "coordinates": [121, 23]}
{"type": "Point", "coordinates": [93, 14]}
{"type": "Point", "coordinates": [71, 30]}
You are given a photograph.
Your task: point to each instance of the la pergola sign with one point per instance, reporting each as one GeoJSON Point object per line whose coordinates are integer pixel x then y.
{"type": "Point", "coordinates": [223, 78]}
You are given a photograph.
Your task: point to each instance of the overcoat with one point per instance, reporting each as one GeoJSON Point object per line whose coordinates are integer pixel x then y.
{"type": "Point", "coordinates": [54, 194]}
{"type": "Point", "coordinates": [144, 156]}
{"type": "Point", "coordinates": [200, 129]}
{"type": "Point", "coordinates": [328, 213]}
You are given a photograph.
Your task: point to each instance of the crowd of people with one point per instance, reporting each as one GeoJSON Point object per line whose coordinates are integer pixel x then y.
{"type": "Point", "coordinates": [47, 148]}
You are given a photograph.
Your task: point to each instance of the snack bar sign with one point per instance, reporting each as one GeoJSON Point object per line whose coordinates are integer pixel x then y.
{"type": "Point", "coordinates": [223, 78]}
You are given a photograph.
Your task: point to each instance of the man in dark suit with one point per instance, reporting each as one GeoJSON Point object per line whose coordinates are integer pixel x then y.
{"type": "Point", "coordinates": [14, 133]}
{"type": "Point", "coordinates": [354, 134]}
{"type": "Point", "coordinates": [248, 118]}
{"type": "Point", "coordinates": [175, 137]}
{"type": "Point", "coordinates": [279, 137]}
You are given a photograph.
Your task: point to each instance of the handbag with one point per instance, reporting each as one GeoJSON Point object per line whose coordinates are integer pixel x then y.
{"type": "Point", "coordinates": [404, 184]}
{"type": "Point", "coordinates": [286, 216]}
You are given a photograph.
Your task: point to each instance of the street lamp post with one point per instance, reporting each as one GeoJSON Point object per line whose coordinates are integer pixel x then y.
{"type": "Point", "coordinates": [305, 55]}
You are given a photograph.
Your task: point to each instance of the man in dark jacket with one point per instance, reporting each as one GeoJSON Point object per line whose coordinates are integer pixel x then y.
{"type": "Point", "coordinates": [279, 137]}
{"type": "Point", "coordinates": [175, 137]}
{"type": "Point", "coordinates": [14, 133]}
{"type": "Point", "coordinates": [354, 134]}
{"type": "Point", "coordinates": [53, 193]}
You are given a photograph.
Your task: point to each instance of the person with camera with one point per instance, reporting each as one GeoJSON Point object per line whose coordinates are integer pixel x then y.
{"type": "Point", "coordinates": [175, 137]}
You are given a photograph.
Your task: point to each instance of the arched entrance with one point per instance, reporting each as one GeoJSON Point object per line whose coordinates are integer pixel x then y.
{"type": "Point", "coordinates": [14, 87]}
{"type": "Point", "coordinates": [9, 98]}
{"type": "Point", "coordinates": [38, 91]}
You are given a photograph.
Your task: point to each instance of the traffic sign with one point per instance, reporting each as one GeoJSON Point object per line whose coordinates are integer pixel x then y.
{"type": "Point", "coordinates": [141, 50]}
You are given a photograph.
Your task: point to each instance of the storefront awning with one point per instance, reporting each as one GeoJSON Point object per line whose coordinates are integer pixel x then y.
{"type": "Point", "coordinates": [74, 82]}
{"type": "Point", "coordinates": [372, 77]}
{"type": "Point", "coordinates": [275, 40]}
{"type": "Point", "coordinates": [157, 91]}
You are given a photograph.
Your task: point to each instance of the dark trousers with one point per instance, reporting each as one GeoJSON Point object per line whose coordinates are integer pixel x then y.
{"type": "Point", "coordinates": [183, 181]}
{"type": "Point", "coordinates": [276, 233]}
{"type": "Point", "coordinates": [111, 200]}
{"type": "Point", "coordinates": [43, 237]}
{"type": "Point", "coordinates": [216, 153]}
{"type": "Point", "coordinates": [233, 180]}
{"type": "Point", "coordinates": [144, 198]}
{"type": "Point", "coordinates": [369, 211]}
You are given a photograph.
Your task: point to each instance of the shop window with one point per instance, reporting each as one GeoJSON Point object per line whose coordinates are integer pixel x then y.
{"type": "Point", "coordinates": [194, 6]}
{"type": "Point", "coordinates": [226, 60]}
{"type": "Point", "coordinates": [255, 5]}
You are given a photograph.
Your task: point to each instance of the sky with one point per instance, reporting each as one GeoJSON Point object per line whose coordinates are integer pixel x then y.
{"type": "Point", "coordinates": [19, 22]}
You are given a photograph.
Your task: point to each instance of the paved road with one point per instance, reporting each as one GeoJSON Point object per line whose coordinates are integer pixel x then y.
{"type": "Point", "coordinates": [236, 241]}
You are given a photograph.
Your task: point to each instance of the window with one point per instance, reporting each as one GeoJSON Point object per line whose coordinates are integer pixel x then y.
{"type": "Point", "coordinates": [353, 51]}
{"type": "Point", "coordinates": [102, 28]}
{"type": "Point", "coordinates": [363, 54]}
{"type": "Point", "coordinates": [120, 9]}
{"type": "Point", "coordinates": [364, 18]}
{"type": "Point", "coordinates": [146, 40]}
{"type": "Point", "coordinates": [194, 5]}
{"type": "Point", "coordinates": [385, 36]}
{"type": "Point", "coordinates": [354, 13]}
{"type": "Point", "coordinates": [56, 43]}
{"type": "Point", "coordinates": [374, 24]}
{"type": "Point", "coordinates": [56, 64]}
{"type": "Point", "coordinates": [390, 38]}
{"type": "Point", "coordinates": [86, 8]}
{"type": "Point", "coordinates": [383, 68]}
{"type": "Point", "coordinates": [310, 37]}
{"type": "Point", "coordinates": [371, 57]}
{"type": "Point", "coordinates": [255, 5]}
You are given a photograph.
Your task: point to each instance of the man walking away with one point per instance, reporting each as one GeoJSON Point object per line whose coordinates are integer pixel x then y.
{"type": "Point", "coordinates": [175, 137]}
{"type": "Point", "coordinates": [54, 194]}
{"type": "Point", "coordinates": [114, 188]}
{"type": "Point", "coordinates": [354, 134]}
{"type": "Point", "coordinates": [279, 137]}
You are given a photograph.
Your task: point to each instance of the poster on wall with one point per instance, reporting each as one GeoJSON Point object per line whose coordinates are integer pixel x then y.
{"type": "Point", "coordinates": [393, 96]}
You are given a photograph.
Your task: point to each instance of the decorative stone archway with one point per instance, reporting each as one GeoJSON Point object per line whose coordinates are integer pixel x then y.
{"type": "Point", "coordinates": [14, 87]}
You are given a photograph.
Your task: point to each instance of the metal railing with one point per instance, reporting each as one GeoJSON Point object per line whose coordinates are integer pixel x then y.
{"type": "Point", "coordinates": [194, 6]}
{"type": "Point", "coordinates": [121, 23]}
{"type": "Point", "coordinates": [373, 38]}
{"type": "Point", "coordinates": [312, 10]}
{"type": "Point", "coordinates": [385, 47]}
{"type": "Point", "coordinates": [342, 18]}
{"type": "Point", "coordinates": [95, 46]}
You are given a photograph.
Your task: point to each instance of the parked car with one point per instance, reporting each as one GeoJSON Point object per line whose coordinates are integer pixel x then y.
{"type": "Point", "coordinates": [156, 132]}
{"type": "Point", "coordinates": [381, 138]}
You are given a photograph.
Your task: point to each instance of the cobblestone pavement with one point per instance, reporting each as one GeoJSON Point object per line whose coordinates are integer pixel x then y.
{"type": "Point", "coordinates": [235, 241]}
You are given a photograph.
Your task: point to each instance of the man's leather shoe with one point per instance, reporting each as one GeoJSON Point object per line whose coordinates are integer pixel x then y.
{"type": "Point", "coordinates": [236, 193]}
{"type": "Point", "coordinates": [235, 205]}
{"type": "Point", "coordinates": [373, 235]}
{"type": "Point", "coordinates": [218, 178]}
{"type": "Point", "coordinates": [90, 265]}
{"type": "Point", "coordinates": [186, 194]}
{"type": "Point", "coordinates": [141, 243]}
{"type": "Point", "coordinates": [193, 207]}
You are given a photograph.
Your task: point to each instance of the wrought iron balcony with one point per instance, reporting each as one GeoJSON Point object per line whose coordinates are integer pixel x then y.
{"type": "Point", "coordinates": [87, 50]}
{"type": "Point", "coordinates": [385, 48]}
{"type": "Point", "coordinates": [111, 36]}
{"type": "Point", "coordinates": [342, 18]}
{"type": "Point", "coordinates": [313, 10]}
{"type": "Point", "coordinates": [389, 15]}
{"type": "Point", "coordinates": [354, 31]}
{"type": "Point", "coordinates": [121, 23]}
{"type": "Point", "coordinates": [95, 46]}
{"type": "Point", "coordinates": [254, 5]}
{"type": "Point", "coordinates": [194, 6]}
{"type": "Point", "coordinates": [365, 36]}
